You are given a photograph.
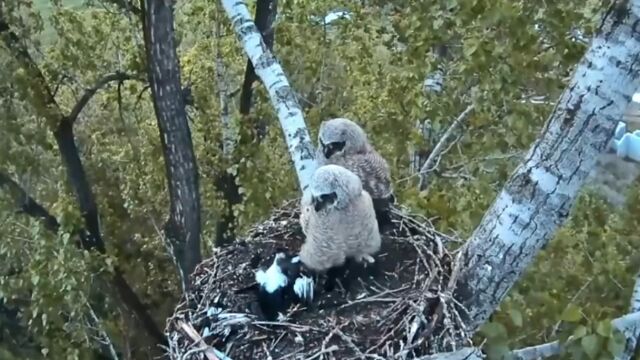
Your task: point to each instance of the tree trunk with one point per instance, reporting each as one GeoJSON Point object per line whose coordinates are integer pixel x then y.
{"type": "Point", "coordinates": [282, 96]}
{"type": "Point", "coordinates": [183, 226]}
{"type": "Point", "coordinates": [539, 195]}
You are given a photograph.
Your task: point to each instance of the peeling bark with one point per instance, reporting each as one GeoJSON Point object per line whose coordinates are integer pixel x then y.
{"type": "Point", "coordinates": [183, 226]}
{"type": "Point", "coordinates": [46, 106]}
{"type": "Point", "coordinates": [282, 96]}
{"type": "Point", "coordinates": [539, 195]}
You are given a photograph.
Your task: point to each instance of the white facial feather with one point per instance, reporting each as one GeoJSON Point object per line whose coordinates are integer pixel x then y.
{"type": "Point", "coordinates": [336, 179]}
{"type": "Point", "coordinates": [358, 155]}
{"type": "Point", "coordinates": [342, 129]}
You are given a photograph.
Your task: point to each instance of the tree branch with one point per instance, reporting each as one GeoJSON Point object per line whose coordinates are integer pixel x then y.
{"type": "Point", "coordinates": [129, 297]}
{"type": "Point", "coordinates": [46, 106]}
{"type": "Point", "coordinates": [282, 97]}
{"type": "Point", "coordinates": [440, 146]}
{"type": "Point", "coordinates": [27, 204]}
{"type": "Point", "coordinates": [183, 226]}
{"type": "Point", "coordinates": [539, 195]}
{"type": "Point", "coordinates": [628, 325]}
{"type": "Point", "coordinates": [89, 92]}
{"type": "Point", "coordinates": [265, 16]}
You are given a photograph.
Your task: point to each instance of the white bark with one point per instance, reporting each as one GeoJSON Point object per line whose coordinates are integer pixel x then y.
{"type": "Point", "coordinates": [633, 332]}
{"type": "Point", "coordinates": [629, 326]}
{"type": "Point", "coordinates": [635, 296]}
{"type": "Point", "coordinates": [540, 194]}
{"type": "Point", "coordinates": [282, 96]}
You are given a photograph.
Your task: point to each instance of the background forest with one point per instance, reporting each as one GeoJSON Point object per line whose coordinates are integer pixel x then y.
{"type": "Point", "coordinates": [504, 55]}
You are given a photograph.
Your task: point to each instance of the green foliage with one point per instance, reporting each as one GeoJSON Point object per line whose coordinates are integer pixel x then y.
{"type": "Point", "coordinates": [370, 68]}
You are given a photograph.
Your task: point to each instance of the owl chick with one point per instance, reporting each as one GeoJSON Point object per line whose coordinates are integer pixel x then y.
{"type": "Point", "coordinates": [338, 219]}
{"type": "Point", "coordinates": [343, 142]}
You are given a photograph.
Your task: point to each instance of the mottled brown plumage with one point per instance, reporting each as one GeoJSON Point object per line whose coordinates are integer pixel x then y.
{"type": "Point", "coordinates": [338, 220]}
{"type": "Point", "coordinates": [343, 142]}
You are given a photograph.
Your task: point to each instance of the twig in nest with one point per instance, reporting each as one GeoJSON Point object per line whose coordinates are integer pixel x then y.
{"type": "Point", "coordinates": [193, 334]}
{"type": "Point", "coordinates": [350, 343]}
{"type": "Point", "coordinates": [331, 348]}
{"type": "Point", "coordinates": [434, 157]}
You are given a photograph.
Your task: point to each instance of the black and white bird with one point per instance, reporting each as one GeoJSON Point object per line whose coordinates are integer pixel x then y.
{"type": "Point", "coordinates": [284, 283]}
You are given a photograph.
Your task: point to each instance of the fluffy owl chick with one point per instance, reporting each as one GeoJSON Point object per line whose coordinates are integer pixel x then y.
{"type": "Point", "coordinates": [343, 142]}
{"type": "Point", "coordinates": [338, 220]}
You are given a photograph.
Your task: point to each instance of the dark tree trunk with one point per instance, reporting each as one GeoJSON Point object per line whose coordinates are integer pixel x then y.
{"type": "Point", "coordinates": [27, 204]}
{"type": "Point", "coordinates": [183, 226]}
{"type": "Point", "coordinates": [266, 11]}
{"type": "Point", "coordinates": [62, 126]}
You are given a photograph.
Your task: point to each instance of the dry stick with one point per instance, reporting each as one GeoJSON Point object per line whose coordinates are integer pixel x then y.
{"type": "Point", "coordinates": [193, 334]}
{"type": "Point", "coordinates": [435, 154]}
{"type": "Point", "coordinates": [350, 343]}
{"type": "Point", "coordinates": [332, 348]}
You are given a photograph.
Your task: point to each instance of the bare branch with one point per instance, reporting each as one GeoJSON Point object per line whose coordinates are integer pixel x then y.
{"type": "Point", "coordinates": [434, 157]}
{"type": "Point", "coordinates": [89, 92]}
{"type": "Point", "coordinates": [103, 334]}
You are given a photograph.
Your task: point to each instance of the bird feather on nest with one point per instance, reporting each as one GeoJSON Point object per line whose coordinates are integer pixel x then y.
{"type": "Point", "coordinates": [404, 311]}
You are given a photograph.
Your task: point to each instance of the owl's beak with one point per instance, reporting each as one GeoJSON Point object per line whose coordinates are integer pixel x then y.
{"type": "Point", "coordinates": [331, 148]}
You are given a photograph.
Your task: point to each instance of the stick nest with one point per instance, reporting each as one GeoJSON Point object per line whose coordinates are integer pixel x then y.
{"type": "Point", "coordinates": [404, 312]}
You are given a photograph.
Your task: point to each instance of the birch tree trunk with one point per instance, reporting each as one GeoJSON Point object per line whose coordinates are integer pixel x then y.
{"type": "Point", "coordinates": [226, 182]}
{"type": "Point", "coordinates": [539, 195]}
{"type": "Point", "coordinates": [282, 96]}
{"type": "Point", "coordinates": [182, 229]}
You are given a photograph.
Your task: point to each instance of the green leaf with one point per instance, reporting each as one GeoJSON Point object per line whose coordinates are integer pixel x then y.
{"type": "Point", "coordinates": [494, 330]}
{"type": "Point", "coordinates": [497, 351]}
{"type": "Point", "coordinates": [591, 344]}
{"type": "Point", "coordinates": [571, 314]}
{"type": "Point", "coordinates": [616, 344]}
{"type": "Point", "coordinates": [579, 332]}
{"type": "Point", "coordinates": [516, 317]}
{"type": "Point", "coordinates": [604, 328]}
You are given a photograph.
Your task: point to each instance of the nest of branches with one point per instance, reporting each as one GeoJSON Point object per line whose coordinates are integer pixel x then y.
{"type": "Point", "coordinates": [403, 312]}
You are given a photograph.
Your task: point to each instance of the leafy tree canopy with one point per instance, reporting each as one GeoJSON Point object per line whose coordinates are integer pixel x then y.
{"type": "Point", "coordinates": [497, 54]}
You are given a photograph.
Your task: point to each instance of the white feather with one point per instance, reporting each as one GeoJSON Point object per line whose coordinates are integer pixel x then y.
{"type": "Point", "coordinates": [303, 287]}
{"type": "Point", "coordinates": [272, 279]}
